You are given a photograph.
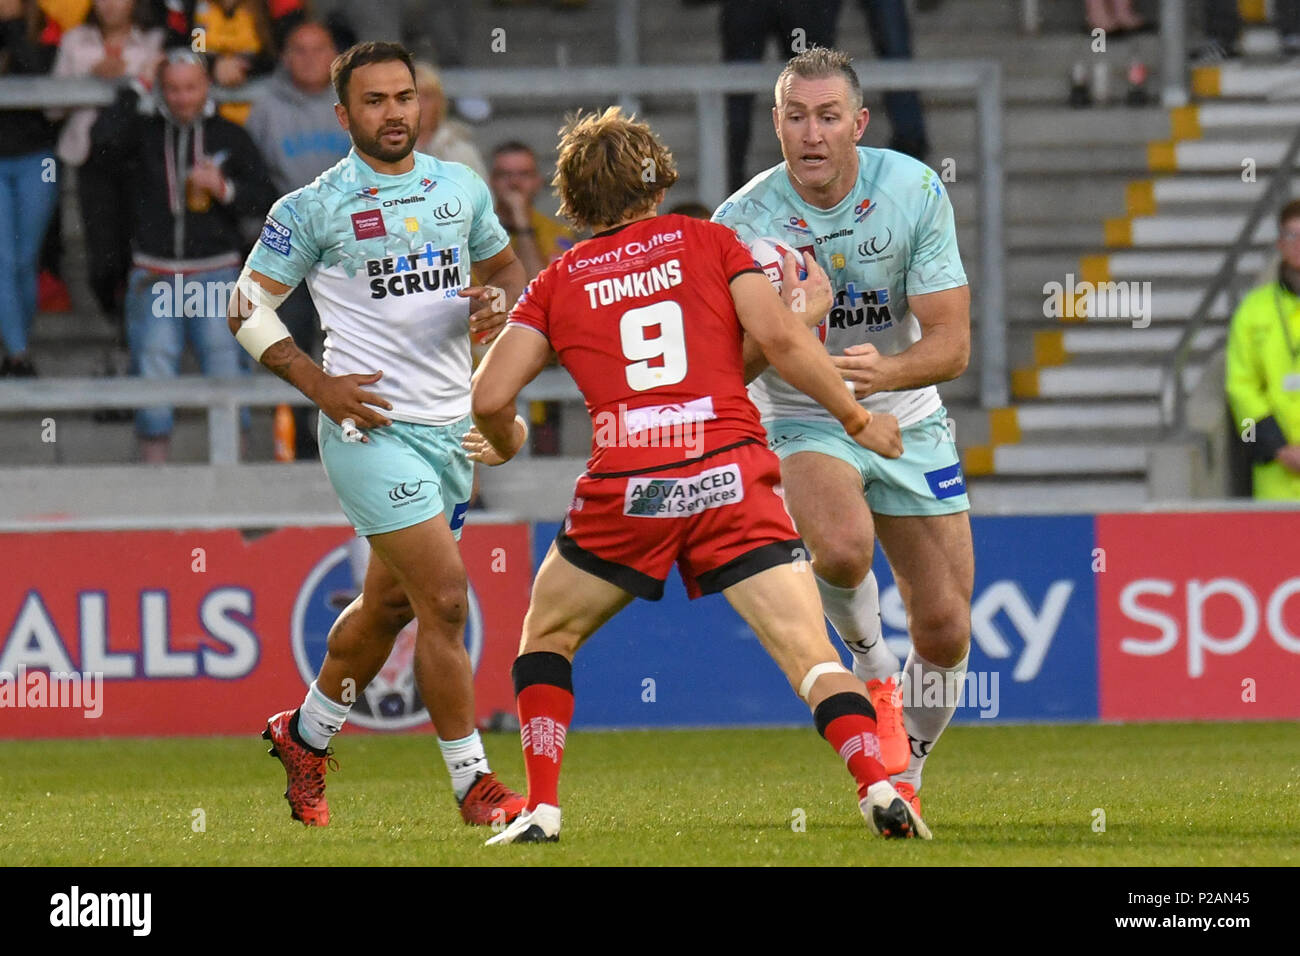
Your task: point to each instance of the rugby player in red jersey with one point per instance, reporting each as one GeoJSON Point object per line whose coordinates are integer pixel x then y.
{"type": "Point", "coordinates": [649, 317]}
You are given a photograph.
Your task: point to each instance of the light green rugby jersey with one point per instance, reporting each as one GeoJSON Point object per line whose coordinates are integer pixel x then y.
{"type": "Point", "coordinates": [384, 258]}
{"type": "Point", "coordinates": [892, 236]}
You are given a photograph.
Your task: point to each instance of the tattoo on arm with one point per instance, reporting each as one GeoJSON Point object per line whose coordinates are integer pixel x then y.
{"type": "Point", "coordinates": [279, 358]}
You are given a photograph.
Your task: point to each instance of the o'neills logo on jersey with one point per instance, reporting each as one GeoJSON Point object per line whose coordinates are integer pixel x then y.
{"type": "Point", "coordinates": [637, 247]}
{"type": "Point", "coordinates": [678, 497]}
{"type": "Point", "coordinates": [854, 307]}
{"type": "Point", "coordinates": [834, 235]}
{"type": "Point", "coordinates": [634, 284]}
{"type": "Point", "coordinates": [430, 270]}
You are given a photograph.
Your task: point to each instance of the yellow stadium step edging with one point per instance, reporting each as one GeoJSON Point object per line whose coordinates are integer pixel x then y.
{"type": "Point", "coordinates": [1024, 382]}
{"type": "Point", "coordinates": [1162, 156]}
{"type": "Point", "coordinates": [1140, 197]}
{"type": "Point", "coordinates": [978, 460]}
{"type": "Point", "coordinates": [1253, 11]}
{"type": "Point", "coordinates": [1119, 232]}
{"type": "Point", "coordinates": [1004, 426]}
{"type": "Point", "coordinates": [1049, 349]}
{"type": "Point", "coordinates": [1206, 81]}
{"type": "Point", "coordinates": [1094, 269]}
{"type": "Point", "coordinates": [1185, 122]}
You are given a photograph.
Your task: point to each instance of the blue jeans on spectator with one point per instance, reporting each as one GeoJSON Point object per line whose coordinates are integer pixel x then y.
{"type": "Point", "coordinates": [27, 200]}
{"type": "Point", "coordinates": [891, 35]}
{"type": "Point", "coordinates": [158, 326]}
{"type": "Point", "coordinates": [745, 27]}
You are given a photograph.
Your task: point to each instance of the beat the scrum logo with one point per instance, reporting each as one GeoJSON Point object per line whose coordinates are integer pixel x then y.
{"type": "Point", "coordinates": [428, 184]}
{"type": "Point", "coordinates": [369, 192]}
{"type": "Point", "coordinates": [391, 701]}
{"type": "Point", "coordinates": [863, 209]}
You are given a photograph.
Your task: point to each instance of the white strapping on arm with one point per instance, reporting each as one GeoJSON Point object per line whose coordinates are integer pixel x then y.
{"type": "Point", "coordinates": [262, 328]}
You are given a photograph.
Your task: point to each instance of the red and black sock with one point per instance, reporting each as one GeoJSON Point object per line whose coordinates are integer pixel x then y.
{"type": "Point", "coordinates": [544, 695]}
{"type": "Point", "coordinates": [848, 722]}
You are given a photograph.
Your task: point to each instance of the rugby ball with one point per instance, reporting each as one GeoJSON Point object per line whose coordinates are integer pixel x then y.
{"type": "Point", "coordinates": [769, 255]}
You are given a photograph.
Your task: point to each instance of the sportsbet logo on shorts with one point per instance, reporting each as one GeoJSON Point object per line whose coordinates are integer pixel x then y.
{"type": "Point", "coordinates": [677, 497]}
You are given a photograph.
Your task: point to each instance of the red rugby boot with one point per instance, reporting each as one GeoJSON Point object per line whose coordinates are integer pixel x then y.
{"type": "Point", "coordinates": [304, 770]}
{"type": "Point", "coordinates": [489, 801]}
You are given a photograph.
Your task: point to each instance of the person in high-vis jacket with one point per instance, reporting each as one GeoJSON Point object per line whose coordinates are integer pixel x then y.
{"type": "Point", "coordinates": [1263, 370]}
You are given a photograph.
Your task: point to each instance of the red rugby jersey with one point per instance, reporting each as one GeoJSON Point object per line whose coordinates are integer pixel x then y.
{"type": "Point", "coordinates": [642, 318]}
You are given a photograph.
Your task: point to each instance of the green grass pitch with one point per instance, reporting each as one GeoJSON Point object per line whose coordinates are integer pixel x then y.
{"type": "Point", "coordinates": [1172, 794]}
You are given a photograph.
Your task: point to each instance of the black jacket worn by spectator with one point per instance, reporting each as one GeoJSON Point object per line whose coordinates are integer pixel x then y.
{"type": "Point", "coordinates": [25, 131]}
{"type": "Point", "coordinates": [155, 155]}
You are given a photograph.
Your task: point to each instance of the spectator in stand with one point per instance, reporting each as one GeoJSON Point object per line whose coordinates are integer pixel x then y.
{"type": "Point", "coordinates": [293, 125]}
{"type": "Point", "coordinates": [437, 31]}
{"type": "Point", "coordinates": [28, 181]}
{"type": "Point", "coordinates": [447, 139]}
{"type": "Point", "coordinates": [1113, 16]}
{"type": "Point", "coordinates": [192, 176]}
{"type": "Point", "coordinates": [891, 37]}
{"type": "Point", "coordinates": [796, 25]}
{"type": "Point", "coordinates": [745, 27]}
{"type": "Point", "coordinates": [538, 240]}
{"type": "Point", "coordinates": [110, 46]}
{"type": "Point", "coordinates": [293, 122]}
{"type": "Point", "coordinates": [240, 38]}
{"type": "Point", "coordinates": [1263, 370]}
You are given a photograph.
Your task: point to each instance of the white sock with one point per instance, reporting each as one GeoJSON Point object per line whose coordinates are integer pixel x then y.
{"type": "Point", "coordinates": [320, 718]}
{"type": "Point", "coordinates": [924, 723]}
{"type": "Point", "coordinates": [465, 760]}
{"type": "Point", "coordinates": [855, 613]}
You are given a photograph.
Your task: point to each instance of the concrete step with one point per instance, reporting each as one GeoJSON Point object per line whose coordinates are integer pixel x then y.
{"type": "Point", "coordinates": [1129, 301]}
{"type": "Point", "coordinates": [1239, 155]}
{"type": "Point", "coordinates": [1188, 230]}
{"type": "Point", "coordinates": [1111, 380]}
{"type": "Point", "coordinates": [996, 494]}
{"type": "Point", "coordinates": [1146, 197]}
{"type": "Point", "coordinates": [1039, 418]}
{"type": "Point", "coordinates": [1156, 264]}
{"type": "Point", "coordinates": [80, 440]}
{"type": "Point", "coordinates": [1058, 459]}
{"type": "Point", "coordinates": [1074, 344]}
{"type": "Point", "coordinates": [1245, 79]}
{"type": "Point", "coordinates": [1054, 126]}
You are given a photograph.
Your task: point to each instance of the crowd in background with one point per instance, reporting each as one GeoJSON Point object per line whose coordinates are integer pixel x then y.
{"type": "Point", "coordinates": [170, 183]}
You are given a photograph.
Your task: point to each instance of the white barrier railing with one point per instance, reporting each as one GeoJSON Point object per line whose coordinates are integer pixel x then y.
{"type": "Point", "coordinates": [222, 397]}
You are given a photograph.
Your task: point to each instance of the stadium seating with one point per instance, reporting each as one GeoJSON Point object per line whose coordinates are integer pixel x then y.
{"type": "Point", "coordinates": [1110, 192]}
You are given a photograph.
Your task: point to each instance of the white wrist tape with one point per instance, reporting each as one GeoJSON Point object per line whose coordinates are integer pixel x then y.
{"type": "Point", "coordinates": [816, 671]}
{"type": "Point", "coordinates": [260, 331]}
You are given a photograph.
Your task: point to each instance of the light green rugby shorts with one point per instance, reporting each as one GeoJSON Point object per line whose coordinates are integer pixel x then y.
{"type": "Point", "coordinates": [926, 480]}
{"type": "Point", "coordinates": [405, 474]}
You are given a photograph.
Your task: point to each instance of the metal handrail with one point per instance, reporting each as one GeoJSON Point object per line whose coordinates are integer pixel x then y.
{"type": "Point", "coordinates": [709, 86]}
{"type": "Point", "coordinates": [222, 397]}
{"type": "Point", "coordinates": [1173, 393]}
